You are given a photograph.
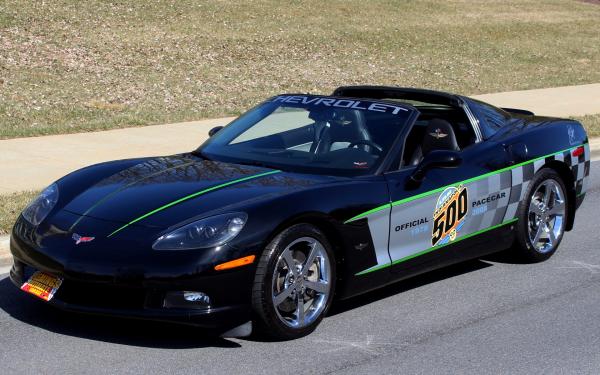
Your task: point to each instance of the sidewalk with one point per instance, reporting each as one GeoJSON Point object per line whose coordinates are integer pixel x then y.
{"type": "Point", "coordinates": [595, 148]}
{"type": "Point", "coordinates": [558, 101]}
{"type": "Point", "coordinates": [5, 256]}
{"type": "Point", "coordinates": [33, 163]}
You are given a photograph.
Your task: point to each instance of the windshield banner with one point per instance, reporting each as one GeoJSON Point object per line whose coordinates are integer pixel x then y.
{"type": "Point", "coordinates": [364, 105]}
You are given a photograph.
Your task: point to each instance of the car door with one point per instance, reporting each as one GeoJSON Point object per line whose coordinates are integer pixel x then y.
{"type": "Point", "coordinates": [452, 213]}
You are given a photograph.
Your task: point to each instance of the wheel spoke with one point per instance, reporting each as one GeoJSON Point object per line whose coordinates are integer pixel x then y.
{"type": "Point", "coordinates": [557, 209]}
{"type": "Point", "coordinates": [314, 251]}
{"type": "Point", "coordinates": [557, 192]}
{"type": "Point", "coordinates": [317, 286]}
{"type": "Point", "coordinates": [287, 256]}
{"type": "Point", "coordinates": [535, 208]}
{"type": "Point", "coordinates": [547, 194]}
{"type": "Point", "coordinates": [278, 299]}
{"type": "Point", "coordinates": [551, 237]}
{"type": "Point", "coordinates": [538, 234]}
{"type": "Point", "coordinates": [300, 309]}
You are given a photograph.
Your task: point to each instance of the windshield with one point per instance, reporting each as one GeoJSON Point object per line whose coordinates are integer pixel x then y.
{"type": "Point", "coordinates": [311, 134]}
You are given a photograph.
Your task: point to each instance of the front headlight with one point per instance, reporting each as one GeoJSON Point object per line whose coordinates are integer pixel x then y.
{"type": "Point", "coordinates": [208, 232]}
{"type": "Point", "coordinates": [41, 206]}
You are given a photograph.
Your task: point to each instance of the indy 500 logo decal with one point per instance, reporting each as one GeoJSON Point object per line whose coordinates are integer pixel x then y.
{"type": "Point", "coordinates": [449, 215]}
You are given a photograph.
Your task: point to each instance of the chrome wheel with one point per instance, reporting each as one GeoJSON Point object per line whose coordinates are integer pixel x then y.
{"type": "Point", "coordinates": [301, 282]}
{"type": "Point", "coordinates": [546, 216]}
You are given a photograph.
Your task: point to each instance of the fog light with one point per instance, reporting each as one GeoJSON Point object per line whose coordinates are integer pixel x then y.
{"type": "Point", "coordinates": [196, 297]}
{"type": "Point", "coordinates": [186, 300]}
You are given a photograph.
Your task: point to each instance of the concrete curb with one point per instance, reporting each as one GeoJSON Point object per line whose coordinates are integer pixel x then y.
{"type": "Point", "coordinates": [595, 148]}
{"type": "Point", "coordinates": [5, 256]}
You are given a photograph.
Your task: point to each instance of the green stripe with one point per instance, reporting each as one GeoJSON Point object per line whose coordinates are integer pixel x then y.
{"type": "Point", "coordinates": [110, 195]}
{"type": "Point", "coordinates": [377, 268]}
{"type": "Point", "coordinates": [367, 213]}
{"type": "Point", "coordinates": [477, 178]}
{"type": "Point", "coordinates": [194, 195]}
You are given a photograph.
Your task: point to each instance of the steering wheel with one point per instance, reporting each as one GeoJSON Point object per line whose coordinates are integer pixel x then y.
{"type": "Point", "coordinates": [378, 148]}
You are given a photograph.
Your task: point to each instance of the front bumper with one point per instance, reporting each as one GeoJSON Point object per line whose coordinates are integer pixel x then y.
{"type": "Point", "coordinates": [134, 293]}
{"type": "Point", "coordinates": [130, 302]}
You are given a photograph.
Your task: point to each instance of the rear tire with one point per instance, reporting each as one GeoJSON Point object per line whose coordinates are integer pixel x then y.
{"type": "Point", "coordinates": [290, 300]}
{"type": "Point", "coordinates": [542, 217]}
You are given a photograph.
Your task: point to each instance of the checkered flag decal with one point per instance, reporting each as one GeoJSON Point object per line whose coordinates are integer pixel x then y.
{"type": "Point", "coordinates": [521, 176]}
{"type": "Point", "coordinates": [580, 167]}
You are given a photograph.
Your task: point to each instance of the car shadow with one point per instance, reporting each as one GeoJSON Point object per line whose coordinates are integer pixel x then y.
{"type": "Point", "coordinates": [173, 336]}
{"type": "Point", "coordinates": [405, 285]}
{"type": "Point", "coordinates": [507, 257]}
{"type": "Point", "coordinates": [342, 306]}
{"type": "Point", "coordinates": [115, 330]}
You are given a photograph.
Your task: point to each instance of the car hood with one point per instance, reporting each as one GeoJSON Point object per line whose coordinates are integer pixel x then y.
{"type": "Point", "coordinates": [164, 191]}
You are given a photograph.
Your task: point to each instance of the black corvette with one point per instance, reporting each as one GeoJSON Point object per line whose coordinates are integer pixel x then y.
{"type": "Point", "coordinates": [303, 198]}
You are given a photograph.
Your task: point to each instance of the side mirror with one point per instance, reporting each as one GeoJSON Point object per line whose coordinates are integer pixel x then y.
{"type": "Point", "coordinates": [434, 159]}
{"type": "Point", "coordinates": [214, 130]}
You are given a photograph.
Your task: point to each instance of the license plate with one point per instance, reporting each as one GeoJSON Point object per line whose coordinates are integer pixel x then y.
{"type": "Point", "coordinates": [42, 285]}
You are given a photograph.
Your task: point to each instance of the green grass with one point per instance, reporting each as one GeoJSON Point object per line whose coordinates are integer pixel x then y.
{"type": "Point", "coordinates": [591, 124]}
{"type": "Point", "coordinates": [11, 206]}
{"type": "Point", "coordinates": [70, 66]}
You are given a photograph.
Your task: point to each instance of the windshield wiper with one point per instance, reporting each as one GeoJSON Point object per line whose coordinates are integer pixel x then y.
{"type": "Point", "coordinates": [200, 154]}
{"type": "Point", "coordinates": [256, 163]}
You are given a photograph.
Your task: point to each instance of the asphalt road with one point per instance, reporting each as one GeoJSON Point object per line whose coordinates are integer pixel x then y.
{"type": "Point", "coordinates": [483, 316]}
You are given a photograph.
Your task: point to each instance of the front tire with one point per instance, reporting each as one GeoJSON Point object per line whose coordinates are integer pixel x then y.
{"type": "Point", "coordinates": [542, 217]}
{"type": "Point", "coordinates": [294, 283]}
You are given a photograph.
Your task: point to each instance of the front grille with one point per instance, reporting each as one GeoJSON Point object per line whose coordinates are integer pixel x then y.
{"type": "Point", "coordinates": [98, 295]}
{"type": "Point", "coordinates": [101, 295]}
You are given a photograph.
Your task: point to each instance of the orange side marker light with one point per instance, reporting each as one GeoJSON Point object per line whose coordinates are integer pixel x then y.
{"type": "Point", "coordinates": [235, 263]}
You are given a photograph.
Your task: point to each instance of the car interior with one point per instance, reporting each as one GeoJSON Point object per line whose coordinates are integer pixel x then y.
{"type": "Point", "coordinates": [442, 123]}
{"type": "Point", "coordinates": [333, 137]}
{"type": "Point", "coordinates": [437, 128]}
{"type": "Point", "coordinates": [351, 138]}
{"type": "Point", "coordinates": [347, 128]}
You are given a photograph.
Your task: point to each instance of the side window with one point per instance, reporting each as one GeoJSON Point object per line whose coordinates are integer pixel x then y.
{"type": "Point", "coordinates": [452, 123]}
{"type": "Point", "coordinates": [411, 155]}
{"type": "Point", "coordinates": [491, 118]}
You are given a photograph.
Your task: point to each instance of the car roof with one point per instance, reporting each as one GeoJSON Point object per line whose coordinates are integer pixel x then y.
{"type": "Point", "coordinates": [389, 92]}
